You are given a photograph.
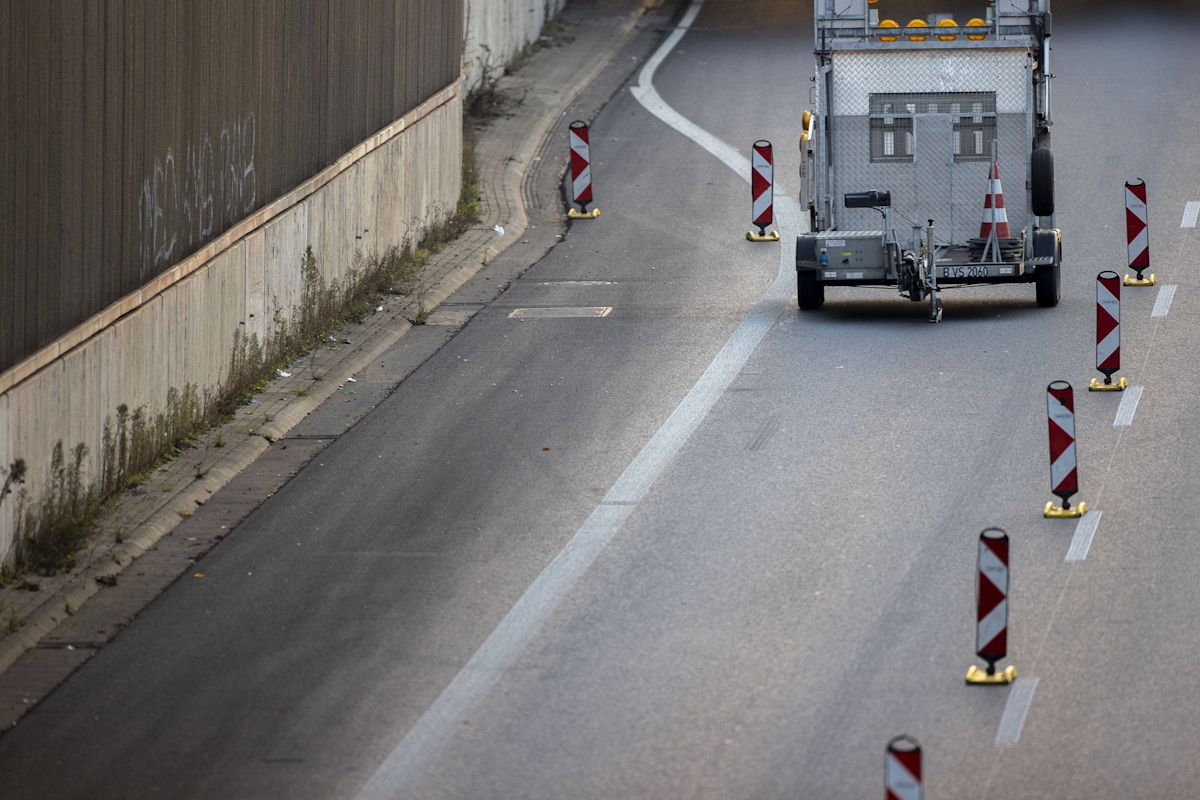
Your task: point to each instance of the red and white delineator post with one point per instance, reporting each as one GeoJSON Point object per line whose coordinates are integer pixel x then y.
{"type": "Point", "coordinates": [902, 769]}
{"type": "Point", "coordinates": [581, 171]}
{"type": "Point", "coordinates": [762, 192]}
{"type": "Point", "coordinates": [991, 608]}
{"type": "Point", "coordinates": [1064, 474]}
{"type": "Point", "coordinates": [1108, 332]}
{"type": "Point", "coordinates": [1137, 232]}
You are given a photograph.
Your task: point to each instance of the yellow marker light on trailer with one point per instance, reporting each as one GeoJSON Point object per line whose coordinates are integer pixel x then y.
{"type": "Point", "coordinates": [888, 23]}
{"type": "Point", "coordinates": [948, 23]}
{"type": "Point", "coordinates": [976, 23]}
{"type": "Point", "coordinates": [805, 127]}
{"type": "Point", "coordinates": [914, 24]}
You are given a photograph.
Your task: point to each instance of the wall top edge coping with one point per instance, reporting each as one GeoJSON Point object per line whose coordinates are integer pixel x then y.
{"type": "Point", "coordinates": [78, 336]}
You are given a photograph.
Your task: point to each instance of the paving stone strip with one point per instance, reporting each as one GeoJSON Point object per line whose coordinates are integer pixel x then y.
{"type": "Point", "coordinates": [159, 529]}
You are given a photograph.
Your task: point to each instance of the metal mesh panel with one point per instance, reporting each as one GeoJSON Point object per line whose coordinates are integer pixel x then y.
{"type": "Point", "coordinates": [973, 138]}
{"type": "Point", "coordinates": [857, 74]}
{"type": "Point", "coordinates": [934, 173]}
{"type": "Point", "coordinates": [971, 180]}
{"type": "Point", "coordinates": [892, 127]}
{"type": "Point", "coordinates": [891, 139]}
{"type": "Point", "coordinates": [853, 171]}
{"type": "Point", "coordinates": [897, 103]}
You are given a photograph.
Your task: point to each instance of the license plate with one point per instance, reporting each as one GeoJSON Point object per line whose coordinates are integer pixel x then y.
{"type": "Point", "coordinates": [968, 271]}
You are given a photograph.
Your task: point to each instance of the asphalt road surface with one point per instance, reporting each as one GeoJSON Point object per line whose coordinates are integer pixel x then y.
{"type": "Point", "coordinates": [797, 584]}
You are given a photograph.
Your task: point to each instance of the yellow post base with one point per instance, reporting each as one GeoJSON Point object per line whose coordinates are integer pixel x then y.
{"type": "Point", "coordinates": [1131, 281]}
{"type": "Point", "coordinates": [1097, 386]}
{"type": "Point", "coordinates": [977, 676]}
{"type": "Point", "coordinates": [773, 236]}
{"type": "Point", "coordinates": [1057, 512]}
{"type": "Point", "coordinates": [573, 214]}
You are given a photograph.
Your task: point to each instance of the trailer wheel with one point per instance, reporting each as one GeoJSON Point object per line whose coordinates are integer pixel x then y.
{"type": "Point", "coordinates": [809, 294]}
{"type": "Point", "coordinates": [1041, 173]}
{"type": "Point", "coordinates": [1048, 282]}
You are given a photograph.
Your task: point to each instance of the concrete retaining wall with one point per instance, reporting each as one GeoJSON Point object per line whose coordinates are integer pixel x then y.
{"type": "Point", "coordinates": [135, 132]}
{"type": "Point", "coordinates": [178, 329]}
{"type": "Point", "coordinates": [493, 30]}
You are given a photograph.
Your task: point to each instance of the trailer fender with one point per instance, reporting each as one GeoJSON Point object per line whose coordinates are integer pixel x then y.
{"type": "Point", "coordinates": [806, 251]}
{"type": "Point", "coordinates": [1047, 243]}
{"type": "Point", "coordinates": [1047, 246]}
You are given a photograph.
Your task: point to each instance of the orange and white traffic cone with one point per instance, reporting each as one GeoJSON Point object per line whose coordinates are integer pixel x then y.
{"type": "Point", "coordinates": [995, 217]}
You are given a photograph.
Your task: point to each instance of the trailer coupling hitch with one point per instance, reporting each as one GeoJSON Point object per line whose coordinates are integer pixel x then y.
{"type": "Point", "coordinates": [909, 278]}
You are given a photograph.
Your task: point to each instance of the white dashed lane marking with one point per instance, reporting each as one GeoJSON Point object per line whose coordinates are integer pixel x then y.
{"type": "Point", "coordinates": [1128, 407]}
{"type": "Point", "coordinates": [459, 700]}
{"type": "Point", "coordinates": [1162, 303]}
{"type": "Point", "coordinates": [1020, 697]}
{"type": "Point", "coordinates": [1190, 212]}
{"type": "Point", "coordinates": [1081, 542]}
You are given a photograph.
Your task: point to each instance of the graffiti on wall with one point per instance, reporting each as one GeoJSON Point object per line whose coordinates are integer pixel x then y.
{"type": "Point", "coordinates": [183, 201]}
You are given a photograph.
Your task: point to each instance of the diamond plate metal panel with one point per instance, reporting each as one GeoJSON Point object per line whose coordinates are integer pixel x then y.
{"type": "Point", "coordinates": [859, 73]}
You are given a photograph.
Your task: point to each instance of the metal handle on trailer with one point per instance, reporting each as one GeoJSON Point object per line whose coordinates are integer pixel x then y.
{"type": "Point", "coordinates": [992, 245]}
{"type": "Point", "coordinates": [930, 257]}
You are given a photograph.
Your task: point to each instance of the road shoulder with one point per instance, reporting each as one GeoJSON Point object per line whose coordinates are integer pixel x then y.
{"type": "Point", "coordinates": [161, 529]}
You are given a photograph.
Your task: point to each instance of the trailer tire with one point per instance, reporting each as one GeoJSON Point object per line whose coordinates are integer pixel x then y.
{"type": "Point", "coordinates": [1041, 173]}
{"type": "Point", "coordinates": [1048, 282]}
{"type": "Point", "coordinates": [809, 294]}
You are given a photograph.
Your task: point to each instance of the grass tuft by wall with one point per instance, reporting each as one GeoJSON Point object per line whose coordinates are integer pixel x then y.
{"type": "Point", "coordinates": [55, 525]}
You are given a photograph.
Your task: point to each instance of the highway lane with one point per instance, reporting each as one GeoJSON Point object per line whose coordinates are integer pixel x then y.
{"type": "Point", "coordinates": [797, 586]}
{"type": "Point", "coordinates": [327, 623]}
{"type": "Point", "coordinates": [1119, 713]}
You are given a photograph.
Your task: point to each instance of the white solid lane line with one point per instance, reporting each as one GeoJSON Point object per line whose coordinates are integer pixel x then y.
{"type": "Point", "coordinates": [1128, 407]}
{"type": "Point", "coordinates": [458, 701]}
{"type": "Point", "coordinates": [437, 726]}
{"type": "Point", "coordinates": [643, 470]}
{"type": "Point", "coordinates": [1020, 696]}
{"type": "Point", "coordinates": [1081, 542]}
{"type": "Point", "coordinates": [1162, 304]}
{"type": "Point", "coordinates": [1190, 212]}
{"type": "Point", "coordinates": [648, 96]}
